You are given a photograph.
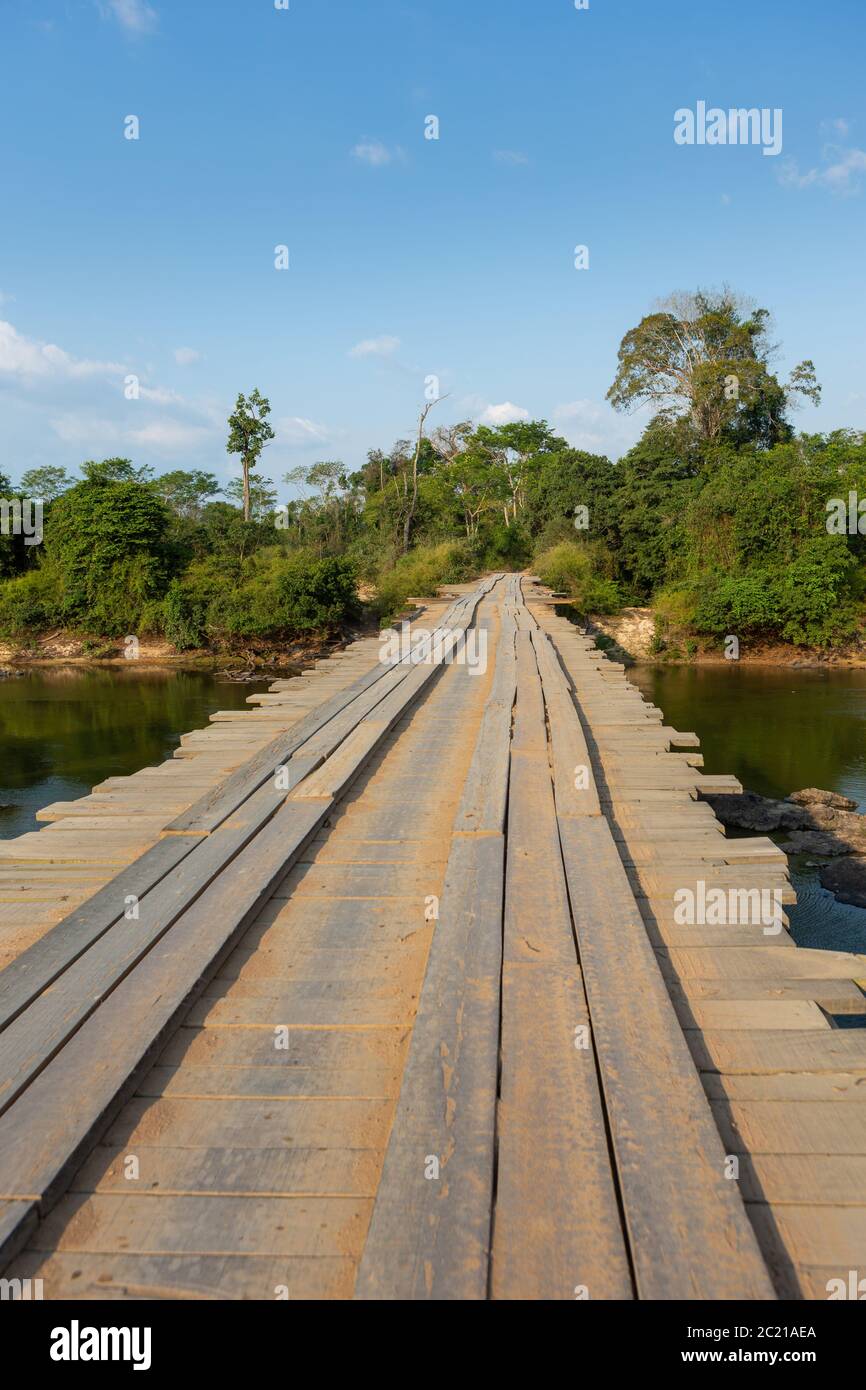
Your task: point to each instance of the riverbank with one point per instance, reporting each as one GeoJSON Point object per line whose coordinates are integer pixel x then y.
{"type": "Point", "coordinates": [67, 649]}
{"type": "Point", "coordinates": [634, 635]}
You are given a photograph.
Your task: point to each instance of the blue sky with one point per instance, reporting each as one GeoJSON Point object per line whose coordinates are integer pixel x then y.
{"type": "Point", "coordinates": [408, 257]}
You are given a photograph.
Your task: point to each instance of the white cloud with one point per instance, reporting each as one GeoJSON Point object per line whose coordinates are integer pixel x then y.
{"type": "Point", "coordinates": [186, 356]}
{"type": "Point", "coordinates": [385, 346]}
{"type": "Point", "coordinates": [298, 431]}
{"type": "Point", "coordinates": [135, 16]}
{"type": "Point", "coordinates": [375, 153]}
{"type": "Point", "coordinates": [94, 433]}
{"type": "Point", "coordinates": [510, 157]}
{"type": "Point", "coordinates": [28, 358]}
{"type": "Point", "coordinates": [164, 436]}
{"type": "Point", "coordinates": [839, 126]}
{"type": "Point", "coordinates": [841, 171]}
{"type": "Point", "coordinates": [504, 414]}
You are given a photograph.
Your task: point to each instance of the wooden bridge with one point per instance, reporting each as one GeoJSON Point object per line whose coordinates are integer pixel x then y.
{"type": "Point", "coordinates": [383, 990]}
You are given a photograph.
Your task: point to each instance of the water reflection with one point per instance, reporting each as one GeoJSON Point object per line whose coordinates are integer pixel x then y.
{"type": "Point", "coordinates": [65, 729]}
{"type": "Point", "coordinates": [778, 729]}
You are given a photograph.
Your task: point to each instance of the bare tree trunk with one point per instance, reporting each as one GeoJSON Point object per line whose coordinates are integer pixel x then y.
{"type": "Point", "coordinates": [246, 467]}
{"type": "Point", "coordinates": [410, 514]}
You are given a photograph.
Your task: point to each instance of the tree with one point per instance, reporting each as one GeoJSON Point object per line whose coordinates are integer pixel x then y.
{"type": "Point", "coordinates": [46, 483]}
{"type": "Point", "coordinates": [256, 492]}
{"type": "Point", "coordinates": [413, 499]}
{"type": "Point", "coordinates": [186, 493]}
{"type": "Point", "coordinates": [249, 433]}
{"type": "Point", "coordinates": [106, 542]}
{"type": "Point", "coordinates": [705, 356]}
{"type": "Point", "coordinates": [515, 450]}
{"type": "Point", "coordinates": [327, 514]}
{"type": "Point", "coordinates": [115, 471]}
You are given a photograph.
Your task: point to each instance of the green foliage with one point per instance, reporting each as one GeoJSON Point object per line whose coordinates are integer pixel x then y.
{"type": "Point", "coordinates": [183, 620]}
{"type": "Point", "coordinates": [574, 569]}
{"type": "Point", "coordinates": [45, 483]}
{"type": "Point", "coordinates": [421, 573]}
{"type": "Point", "coordinates": [249, 433]}
{"type": "Point", "coordinates": [28, 603]}
{"type": "Point", "coordinates": [704, 358]}
{"type": "Point", "coordinates": [281, 597]}
{"type": "Point", "coordinates": [105, 546]}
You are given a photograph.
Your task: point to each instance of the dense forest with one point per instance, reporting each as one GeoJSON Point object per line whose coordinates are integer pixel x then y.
{"type": "Point", "coordinates": [721, 517]}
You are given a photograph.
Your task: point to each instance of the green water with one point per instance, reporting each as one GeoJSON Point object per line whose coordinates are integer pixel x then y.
{"type": "Point", "coordinates": [778, 730]}
{"type": "Point", "coordinates": [64, 730]}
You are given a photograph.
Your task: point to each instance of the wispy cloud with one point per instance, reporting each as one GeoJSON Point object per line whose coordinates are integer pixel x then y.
{"type": "Point", "coordinates": [842, 167]}
{"type": "Point", "coordinates": [299, 432]}
{"type": "Point", "coordinates": [186, 356]}
{"type": "Point", "coordinates": [26, 358]}
{"type": "Point", "coordinates": [385, 346]}
{"type": "Point", "coordinates": [510, 157]}
{"type": "Point", "coordinates": [94, 432]}
{"type": "Point", "coordinates": [373, 152]}
{"type": "Point", "coordinates": [135, 16]}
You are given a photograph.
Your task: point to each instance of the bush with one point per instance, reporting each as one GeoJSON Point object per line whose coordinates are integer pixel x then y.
{"type": "Point", "coordinates": [728, 604]}
{"type": "Point", "coordinates": [282, 596]}
{"type": "Point", "coordinates": [28, 603]}
{"type": "Point", "coordinates": [421, 573]}
{"type": "Point", "coordinates": [572, 569]}
{"type": "Point", "coordinates": [810, 602]}
{"type": "Point", "coordinates": [183, 620]}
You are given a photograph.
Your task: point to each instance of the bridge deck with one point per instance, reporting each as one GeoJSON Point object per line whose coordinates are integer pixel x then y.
{"type": "Point", "coordinates": [416, 1017]}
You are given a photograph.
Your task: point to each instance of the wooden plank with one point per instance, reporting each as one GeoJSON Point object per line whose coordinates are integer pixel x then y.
{"type": "Point", "coordinates": [40, 965]}
{"type": "Point", "coordinates": [792, 1127]}
{"type": "Point", "coordinates": [689, 1233]}
{"type": "Point", "coordinates": [839, 1049]}
{"type": "Point", "coordinates": [429, 1236]}
{"type": "Point", "coordinates": [189, 1277]}
{"type": "Point", "coordinates": [557, 1226]}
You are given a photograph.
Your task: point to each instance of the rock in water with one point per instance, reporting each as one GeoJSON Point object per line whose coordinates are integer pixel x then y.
{"type": "Point", "coordinates": [815, 842]}
{"type": "Point", "coordinates": [847, 879]}
{"type": "Point", "coordinates": [813, 796]}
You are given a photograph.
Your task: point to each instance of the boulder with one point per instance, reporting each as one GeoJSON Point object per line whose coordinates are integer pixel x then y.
{"type": "Point", "coordinates": [749, 811]}
{"type": "Point", "coordinates": [815, 842]}
{"type": "Point", "coordinates": [846, 878]}
{"type": "Point", "coordinates": [813, 796]}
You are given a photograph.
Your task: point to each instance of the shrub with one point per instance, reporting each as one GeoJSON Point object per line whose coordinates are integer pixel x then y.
{"type": "Point", "coordinates": [28, 603]}
{"type": "Point", "coordinates": [573, 569]}
{"type": "Point", "coordinates": [182, 619]}
{"type": "Point", "coordinates": [282, 596]}
{"type": "Point", "coordinates": [421, 573]}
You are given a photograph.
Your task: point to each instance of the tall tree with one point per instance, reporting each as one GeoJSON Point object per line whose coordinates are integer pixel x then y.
{"type": "Point", "coordinates": [413, 497]}
{"type": "Point", "coordinates": [45, 483]}
{"type": "Point", "coordinates": [249, 432]}
{"type": "Point", "coordinates": [705, 357]}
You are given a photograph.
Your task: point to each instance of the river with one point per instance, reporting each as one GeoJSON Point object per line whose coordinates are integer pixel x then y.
{"type": "Point", "coordinates": [778, 729]}
{"type": "Point", "coordinates": [65, 729]}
